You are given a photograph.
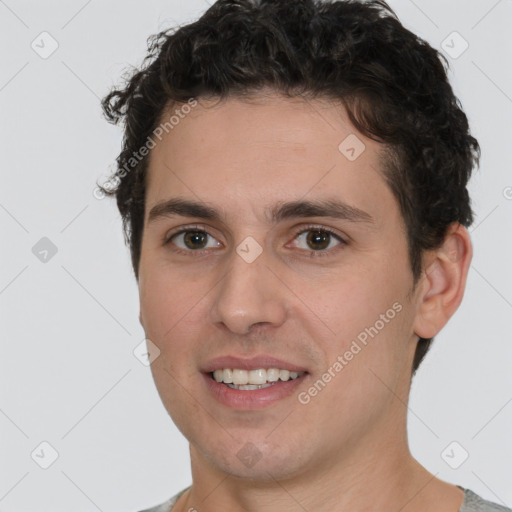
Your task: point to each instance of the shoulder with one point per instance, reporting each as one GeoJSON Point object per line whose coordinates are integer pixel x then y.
{"type": "Point", "coordinates": [474, 503]}
{"type": "Point", "coordinates": [167, 505]}
{"type": "Point", "coordinates": [163, 507]}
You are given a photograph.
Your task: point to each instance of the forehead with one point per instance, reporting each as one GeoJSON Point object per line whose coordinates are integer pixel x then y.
{"type": "Point", "coordinates": [245, 154]}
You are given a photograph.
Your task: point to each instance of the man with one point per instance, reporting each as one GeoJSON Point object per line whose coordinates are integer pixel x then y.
{"type": "Point", "coordinates": [293, 189]}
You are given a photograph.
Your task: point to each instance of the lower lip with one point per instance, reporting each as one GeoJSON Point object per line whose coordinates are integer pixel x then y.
{"type": "Point", "coordinates": [252, 399]}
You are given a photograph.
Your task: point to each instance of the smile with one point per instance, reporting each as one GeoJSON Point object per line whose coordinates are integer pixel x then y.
{"type": "Point", "coordinates": [249, 380]}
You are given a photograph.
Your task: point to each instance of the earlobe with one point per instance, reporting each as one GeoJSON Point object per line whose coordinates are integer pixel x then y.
{"type": "Point", "coordinates": [444, 281]}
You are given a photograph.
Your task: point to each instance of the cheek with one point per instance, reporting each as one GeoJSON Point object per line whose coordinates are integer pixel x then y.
{"type": "Point", "coordinates": [167, 301]}
{"type": "Point", "coordinates": [368, 322]}
{"type": "Point", "coordinates": [364, 362]}
{"type": "Point", "coordinates": [348, 302]}
{"type": "Point", "coordinates": [169, 312]}
{"type": "Point", "coordinates": [173, 313]}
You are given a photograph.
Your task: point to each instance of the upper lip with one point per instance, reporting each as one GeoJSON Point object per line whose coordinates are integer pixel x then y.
{"type": "Point", "coordinates": [250, 363]}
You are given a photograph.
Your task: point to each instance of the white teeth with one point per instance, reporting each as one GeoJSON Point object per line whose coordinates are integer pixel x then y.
{"type": "Point", "coordinates": [258, 376]}
{"type": "Point", "coordinates": [253, 379]}
{"type": "Point", "coordinates": [284, 375]}
{"type": "Point", "coordinates": [227, 376]}
{"type": "Point", "coordinates": [249, 387]}
{"type": "Point", "coordinates": [240, 377]}
{"type": "Point", "coordinates": [272, 374]}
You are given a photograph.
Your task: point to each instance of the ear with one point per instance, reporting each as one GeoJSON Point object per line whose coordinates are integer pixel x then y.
{"type": "Point", "coordinates": [443, 282]}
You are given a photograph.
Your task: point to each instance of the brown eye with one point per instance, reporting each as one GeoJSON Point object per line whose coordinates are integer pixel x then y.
{"type": "Point", "coordinates": [318, 240]}
{"type": "Point", "coordinates": [195, 239]}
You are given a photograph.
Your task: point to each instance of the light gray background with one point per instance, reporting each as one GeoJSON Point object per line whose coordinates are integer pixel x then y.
{"type": "Point", "coordinates": [70, 325]}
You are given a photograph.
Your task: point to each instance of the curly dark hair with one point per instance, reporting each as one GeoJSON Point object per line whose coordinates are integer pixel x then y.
{"type": "Point", "coordinates": [392, 83]}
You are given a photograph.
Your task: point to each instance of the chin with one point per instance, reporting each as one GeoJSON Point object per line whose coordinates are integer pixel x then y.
{"type": "Point", "coordinates": [254, 459]}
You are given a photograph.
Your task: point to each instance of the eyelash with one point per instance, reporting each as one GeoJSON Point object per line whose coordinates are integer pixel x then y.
{"type": "Point", "coordinates": [303, 229]}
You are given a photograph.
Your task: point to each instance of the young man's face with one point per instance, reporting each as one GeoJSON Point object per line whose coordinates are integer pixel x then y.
{"type": "Point", "coordinates": [305, 300]}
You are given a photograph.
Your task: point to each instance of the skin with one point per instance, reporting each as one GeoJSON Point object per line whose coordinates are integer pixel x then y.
{"type": "Point", "coordinates": [347, 448]}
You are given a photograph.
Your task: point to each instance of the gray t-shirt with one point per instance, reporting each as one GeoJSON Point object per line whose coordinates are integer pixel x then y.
{"type": "Point", "coordinates": [472, 503]}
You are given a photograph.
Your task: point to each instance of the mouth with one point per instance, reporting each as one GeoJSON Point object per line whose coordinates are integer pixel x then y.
{"type": "Point", "coordinates": [252, 389]}
{"type": "Point", "coordinates": [251, 383]}
{"type": "Point", "coordinates": [251, 380]}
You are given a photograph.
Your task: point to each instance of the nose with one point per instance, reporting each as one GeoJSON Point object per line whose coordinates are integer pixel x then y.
{"type": "Point", "coordinates": [248, 295]}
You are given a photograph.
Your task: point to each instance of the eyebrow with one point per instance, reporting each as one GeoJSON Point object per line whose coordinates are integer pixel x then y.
{"type": "Point", "coordinates": [285, 210]}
